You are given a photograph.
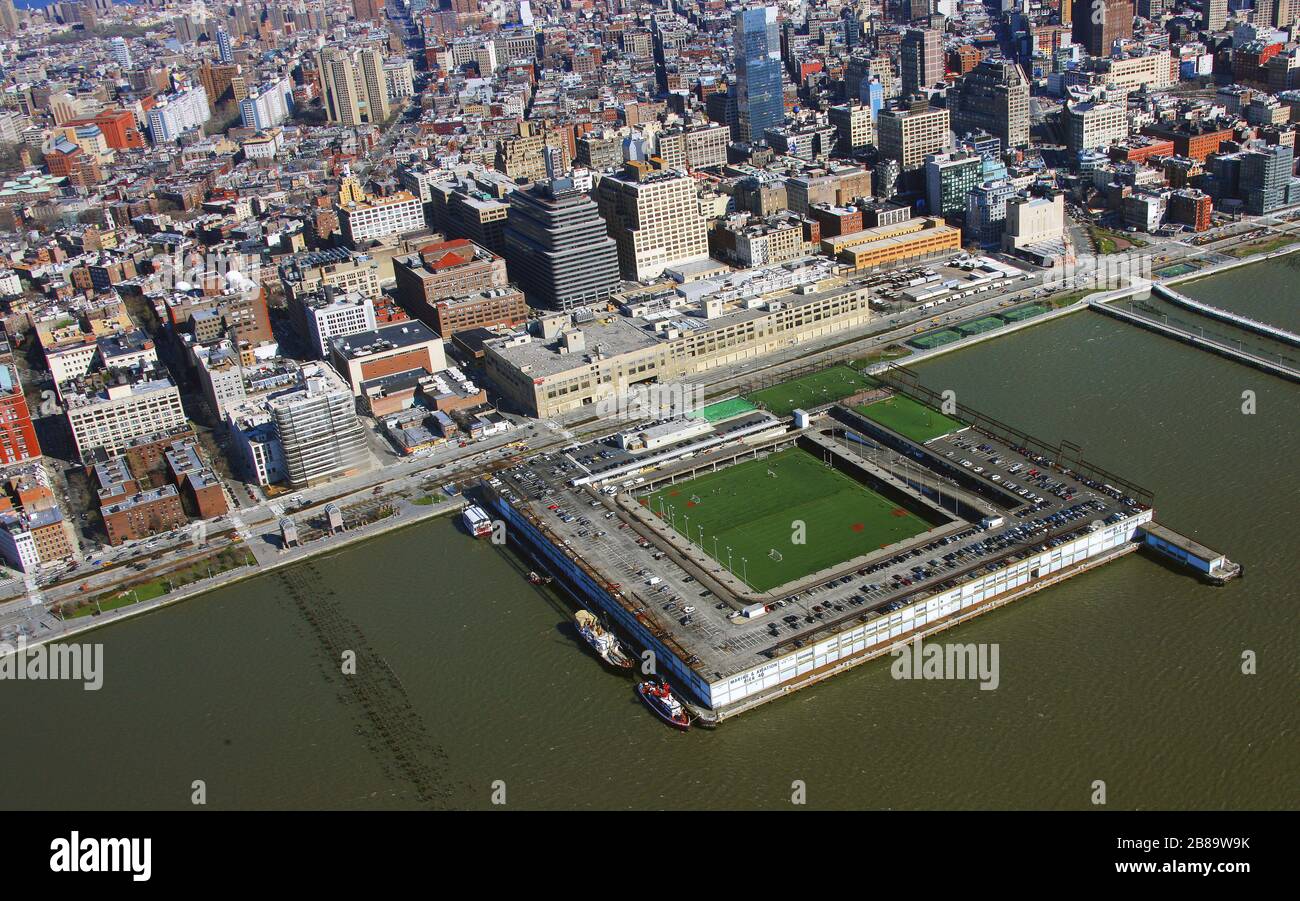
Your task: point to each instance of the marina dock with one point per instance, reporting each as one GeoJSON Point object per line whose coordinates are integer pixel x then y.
{"type": "Point", "coordinates": [1213, 312]}
{"type": "Point", "coordinates": [1277, 367]}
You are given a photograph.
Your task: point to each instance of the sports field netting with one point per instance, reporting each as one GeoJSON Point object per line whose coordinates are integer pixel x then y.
{"type": "Point", "coordinates": [910, 418]}
{"type": "Point", "coordinates": [979, 326]}
{"type": "Point", "coordinates": [813, 390]}
{"type": "Point", "coordinates": [725, 409]}
{"type": "Point", "coordinates": [935, 339]}
{"type": "Point", "coordinates": [752, 508]}
{"type": "Point", "coordinates": [1020, 314]}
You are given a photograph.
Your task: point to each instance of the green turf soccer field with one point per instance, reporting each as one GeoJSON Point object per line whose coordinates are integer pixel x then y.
{"type": "Point", "coordinates": [812, 390]}
{"type": "Point", "coordinates": [909, 418]}
{"type": "Point", "coordinates": [753, 512]}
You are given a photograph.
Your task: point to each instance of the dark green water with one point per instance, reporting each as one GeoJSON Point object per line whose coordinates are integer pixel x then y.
{"type": "Point", "coordinates": [1129, 674]}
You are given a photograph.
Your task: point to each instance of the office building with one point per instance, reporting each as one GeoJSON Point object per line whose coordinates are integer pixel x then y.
{"type": "Point", "coordinates": [760, 103]}
{"type": "Point", "coordinates": [388, 350]}
{"type": "Point", "coordinates": [445, 269]}
{"type": "Point", "coordinates": [993, 97]}
{"type": "Point", "coordinates": [911, 134]}
{"type": "Point", "coordinates": [128, 407]}
{"type": "Point", "coordinates": [1098, 24]}
{"type": "Point", "coordinates": [920, 60]}
{"type": "Point", "coordinates": [855, 127]}
{"type": "Point", "coordinates": [332, 314]}
{"type": "Point", "coordinates": [368, 220]}
{"type": "Point", "coordinates": [558, 248]}
{"type": "Point", "coordinates": [654, 218]}
{"type": "Point", "coordinates": [1089, 126]}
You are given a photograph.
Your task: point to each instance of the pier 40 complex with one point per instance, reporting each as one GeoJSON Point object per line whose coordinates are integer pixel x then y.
{"type": "Point", "coordinates": [562, 363]}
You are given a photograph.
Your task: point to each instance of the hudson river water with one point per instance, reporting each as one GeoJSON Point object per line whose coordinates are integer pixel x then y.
{"type": "Point", "coordinates": [1130, 674]}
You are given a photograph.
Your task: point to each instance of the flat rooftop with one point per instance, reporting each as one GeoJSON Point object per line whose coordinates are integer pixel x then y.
{"type": "Point", "coordinates": [612, 539]}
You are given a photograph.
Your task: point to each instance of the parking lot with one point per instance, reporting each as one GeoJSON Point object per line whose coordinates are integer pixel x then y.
{"type": "Point", "coordinates": [1045, 505]}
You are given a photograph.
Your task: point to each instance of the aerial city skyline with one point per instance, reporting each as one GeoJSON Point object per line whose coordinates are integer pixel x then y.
{"type": "Point", "coordinates": [698, 359]}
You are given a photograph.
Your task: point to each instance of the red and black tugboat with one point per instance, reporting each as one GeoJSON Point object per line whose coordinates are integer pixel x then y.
{"type": "Point", "coordinates": [659, 698]}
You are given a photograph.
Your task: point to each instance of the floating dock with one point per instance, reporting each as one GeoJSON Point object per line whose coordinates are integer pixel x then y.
{"type": "Point", "coordinates": [1210, 565]}
{"type": "Point", "coordinates": [1213, 312]}
{"type": "Point", "coordinates": [1275, 367]}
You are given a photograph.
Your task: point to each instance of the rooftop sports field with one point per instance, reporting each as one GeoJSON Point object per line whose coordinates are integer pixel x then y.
{"type": "Point", "coordinates": [812, 390]}
{"type": "Point", "coordinates": [752, 508]}
{"type": "Point", "coordinates": [725, 409]}
{"type": "Point", "coordinates": [909, 418]}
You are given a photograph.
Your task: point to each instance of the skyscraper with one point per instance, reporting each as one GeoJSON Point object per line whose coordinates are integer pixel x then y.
{"type": "Point", "coordinates": [920, 59]}
{"type": "Point", "coordinates": [224, 48]}
{"type": "Point", "coordinates": [1215, 14]}
{"type": "Point", "coordinates": [557, 247]}
{"type": "Point", "coordinates": [993, 97]}
{"type": "Point", "coordinates": [354, 85]}
{"type": "Point", "coordinates": [1097, 24]}
{"type": "Point", "coordinates": [368, 10]}
{"type": "Point", "coordinates": [120, 52]}
{"type": "Point", "coordinates": [759, 101]}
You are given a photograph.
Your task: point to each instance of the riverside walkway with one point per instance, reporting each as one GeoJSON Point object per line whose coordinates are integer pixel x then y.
{"type": "Point", "coordinates": [1213, 312]}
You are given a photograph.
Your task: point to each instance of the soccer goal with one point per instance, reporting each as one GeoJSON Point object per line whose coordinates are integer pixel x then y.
{"type": "Point", "coordinates": [775, 555]}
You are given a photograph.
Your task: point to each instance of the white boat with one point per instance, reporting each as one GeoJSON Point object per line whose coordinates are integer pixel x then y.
{"type": "Point", "coordinates": [602, 642]}
{"type": "Point", "coordinates": [476, 521]}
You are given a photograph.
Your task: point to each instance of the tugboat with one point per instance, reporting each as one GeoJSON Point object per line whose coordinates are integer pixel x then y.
{"type": "Point", "coordinates": [659, 698]}
{"type": "Point", "coordinates": [601, 641]}
{"type": "Point", "coordinates": [537, 578]}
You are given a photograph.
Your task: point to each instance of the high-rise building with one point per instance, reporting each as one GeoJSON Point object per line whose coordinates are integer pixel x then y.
{"type": "Point", "coordinates": [8, 17]}
{"type": "Point", "coordinates": [855, 127]}
{"type": "Point", "coordinates": [1267, 180]}
{"type": "Point", "coordinates": [760, 103]}
{"type": "Point", "coordinates": [1098, 24]}
{"type": "Point", "coordinates": [654, 218]}
{"type": "Point", "coordinates": [557, 246]}
{"type": "Point", "coordinates": [368, 10]}
{"type": "Point", "coordinates": [370, 67]}
{"type": "Point", "coordinates": [17, 436]}
{"type": "Point", "coordinates": [911, 134]}
{"type": "Point", "coordinates": [993, 97]}
{"type": "Point", "coordinates": [319, 433]}
{"type": "Point", "coordinates": [267, 105]}
{"type": "Point", "coordinates": [354, 86]}
{"type": "Point", "coordinates": [225, 50]}
{"type": "Point", "coordinates": [920, 59]}
{"type": "Point", "coordinates": [1093, 125]}
{"type": "Point", "coordinates": [178, 113]}
{"type": "Point", "coordinates": [1214, 14]}
{"type": "Point", "coordinates": [120, 52]}
{"type": "Point", "coordinates": [949, 178]}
